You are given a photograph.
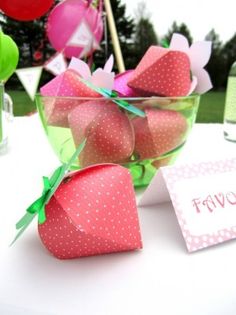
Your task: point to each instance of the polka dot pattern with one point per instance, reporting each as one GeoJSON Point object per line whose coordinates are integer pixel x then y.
{"type": "Point", "coordinates": [150, 57]}
{"type": "Point", "coordinates": [109, 133]}
{"type": "Point", "coordinates": [67, 84]}
{"type": "Point", "coordinates": [82, 116]}
{"type": "Point", "coordinates": [159, 132]}
{"type": "Point", "coordinates": [194, 242]}
{"type": "Point", "coordinates": [92, 212]}
{"type": "Point", "coordinates": [164, 73]}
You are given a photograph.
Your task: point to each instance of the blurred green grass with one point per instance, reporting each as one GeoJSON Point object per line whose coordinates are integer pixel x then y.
{"type": "Point", "coordinates": [210, 111]}
{"type": "Point", "coordinates": [22, 104]}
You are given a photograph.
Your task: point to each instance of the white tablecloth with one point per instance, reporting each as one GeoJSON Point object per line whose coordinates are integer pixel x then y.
{"type": "Point", "coordinates": [161, 279]}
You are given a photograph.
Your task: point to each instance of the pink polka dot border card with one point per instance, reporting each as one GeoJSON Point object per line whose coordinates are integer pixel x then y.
{"type": "Point", "coordinates": [92, 212]}
{"type": "Point", "coordinates": [204, 199]}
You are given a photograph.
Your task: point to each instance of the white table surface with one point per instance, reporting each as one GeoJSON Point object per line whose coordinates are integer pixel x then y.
{"type": "Point", "coordinates": [161, 279]}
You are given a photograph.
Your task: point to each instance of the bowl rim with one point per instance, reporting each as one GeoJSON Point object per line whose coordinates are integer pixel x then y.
{"type": "Point", "coordinates": [139, 98]}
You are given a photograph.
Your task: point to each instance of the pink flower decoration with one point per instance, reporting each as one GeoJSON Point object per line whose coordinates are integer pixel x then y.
{"type": "Point", "coordinates": [102, 78]}
{"type": "Point", "coordinates": [199, 54]}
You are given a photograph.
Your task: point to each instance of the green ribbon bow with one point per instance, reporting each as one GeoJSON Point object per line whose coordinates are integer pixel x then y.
{"type": "Point", "coordinates": [113, 95]}
{"type": "Point", "coordinates": [50, 186]}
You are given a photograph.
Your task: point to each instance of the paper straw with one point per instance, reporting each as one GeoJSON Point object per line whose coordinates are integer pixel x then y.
{"type": "Point", "coordinates": [114, 36]}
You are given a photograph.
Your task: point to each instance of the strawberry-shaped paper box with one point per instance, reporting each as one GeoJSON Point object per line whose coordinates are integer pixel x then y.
{"type": "Point", "coordinates": [173, 71]}
{"type": "Point", "coordinates": [87, 212]}
{"type": "Point", "coordinates": [96, 211]}
{"type": "Point", "coordinates": [62, 93]}
{"type": "Point", "coordinates": [160, 132]}
{"type": "Point", "coordinates": [109, 132]}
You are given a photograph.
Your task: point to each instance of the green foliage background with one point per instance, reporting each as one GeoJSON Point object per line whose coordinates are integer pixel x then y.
{"type": "Point", "coordinates": [136, 34]}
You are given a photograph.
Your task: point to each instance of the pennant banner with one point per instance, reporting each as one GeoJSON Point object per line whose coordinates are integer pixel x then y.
{"type": "Point", "coordinates": [30, 78]}
{"type": "Point", "coordinates": [56, 65]}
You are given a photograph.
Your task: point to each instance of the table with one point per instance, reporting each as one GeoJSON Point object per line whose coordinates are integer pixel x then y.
{"type": "Point", "coordinates": [161, 279]}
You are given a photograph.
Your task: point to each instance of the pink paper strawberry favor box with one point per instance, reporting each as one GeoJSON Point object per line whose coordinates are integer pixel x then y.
{"type": "Point", "coordinates": [87, 212]}
{"type": "Point", "coordinates": [139, 119]}
{"type": "Point", "coordinates": [175, 71]}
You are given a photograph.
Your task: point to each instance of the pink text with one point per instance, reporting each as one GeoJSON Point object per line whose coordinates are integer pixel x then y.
{"type": "Point", "coordinates": [214, 201]}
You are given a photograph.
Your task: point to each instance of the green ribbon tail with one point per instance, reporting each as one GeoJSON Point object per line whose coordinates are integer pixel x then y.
{"type": "Point", "coordinates": [76, 154]}
{"type": "Point", "coordinates": [130, 108]}
{"type": "Point", "coordinates": [113, 95]}
{"type": "Point", "coordinates": [41, 215]}
{"type": "Point", "coordinates": [47, 182]}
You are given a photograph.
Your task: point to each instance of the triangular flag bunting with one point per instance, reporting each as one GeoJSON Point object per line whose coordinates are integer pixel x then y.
{"type": "Point", "coordinates": [30, 77]}
{"type": "Point", "coordinates": [82, 36]}
{"type": "Point", "coordinates": [56, 65]}
{"type": "Point", "coordinates": [92, 46]}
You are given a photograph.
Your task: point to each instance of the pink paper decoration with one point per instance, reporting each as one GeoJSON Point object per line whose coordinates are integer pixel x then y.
{"type": "Point", "coordinates": [102, 78]}
{"type": "Point", "coordinates": [159, 132]}
{"type": "Point", "coordinates": [109, 133]}
{"type": "Point", "coordinates": [92, 212]}
{"type": "Point", "coordinates": [66, 84]}
{"type": "Point", "coordinates": [121, 84]}
{"type": "Point", "coordinates": [199, 54]}
{"type": "Point", "coordinates": [162, 72]}
{"type": "Point", "coordinates": [75, 27]}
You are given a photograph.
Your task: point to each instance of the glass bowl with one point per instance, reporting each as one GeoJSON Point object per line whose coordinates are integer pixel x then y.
{"type": "Point", "coordinates": [115, 135]}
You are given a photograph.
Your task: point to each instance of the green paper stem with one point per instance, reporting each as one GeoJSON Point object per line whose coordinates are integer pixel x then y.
{"type": "Point", "coordinates": [111, 94]}
{"type": "Point", "coordinates": [50, 186]}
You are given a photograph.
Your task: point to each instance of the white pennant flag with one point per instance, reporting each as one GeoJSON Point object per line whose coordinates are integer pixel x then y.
{"type": "Point", "coordinates": [57, 64]}
{"type": "Point", "coordinates": [93, 45]}
{"type": "Point", "coordinates": [30, 78]}
{"type": "Point", "coordinates": [82, 36]}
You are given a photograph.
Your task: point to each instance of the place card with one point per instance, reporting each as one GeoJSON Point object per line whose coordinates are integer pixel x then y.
{"type": "Point", "coordinates": [204, 199]}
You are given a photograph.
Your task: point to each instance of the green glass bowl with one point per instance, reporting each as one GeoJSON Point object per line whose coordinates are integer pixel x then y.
{"type": "Point", "coordinates": [142, 145]}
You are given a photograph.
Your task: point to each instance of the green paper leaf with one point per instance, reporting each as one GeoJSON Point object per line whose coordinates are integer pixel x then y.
{"type": "Point", "coordinates": [28, 218]}
{"type": "Point", "coordinates": [24, 220]}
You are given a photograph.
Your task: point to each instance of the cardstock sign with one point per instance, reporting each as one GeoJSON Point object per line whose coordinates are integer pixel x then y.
{"type": "Point", "coordinates": [204, 199]}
